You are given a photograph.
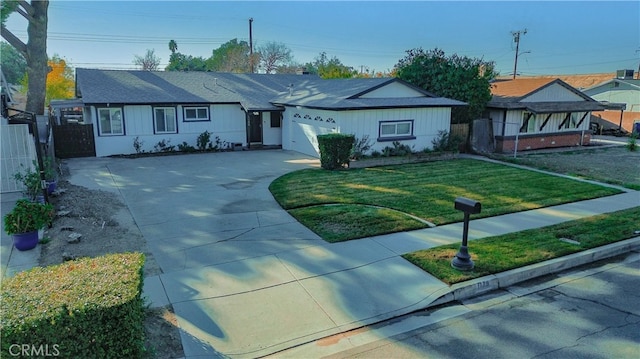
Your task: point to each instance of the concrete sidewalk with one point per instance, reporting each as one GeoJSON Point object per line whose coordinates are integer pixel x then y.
{"type": "Point", "coordinates": [247, 280]}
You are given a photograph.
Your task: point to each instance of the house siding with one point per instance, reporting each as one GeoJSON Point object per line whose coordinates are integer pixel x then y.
{"type": "Point", "coordinates": [553, 93]}
{"type": "Point", "coordinates": [225, 121]}
{"type": "Point", "coordinates": [299, 133]}
{"type": "Point", "coordinates": [515, 120]}
{"type": "Point", "coordinates": [625, 93]}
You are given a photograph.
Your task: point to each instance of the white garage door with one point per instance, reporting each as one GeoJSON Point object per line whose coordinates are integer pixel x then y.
{"type": "Point", "coordinates": [303, 137]}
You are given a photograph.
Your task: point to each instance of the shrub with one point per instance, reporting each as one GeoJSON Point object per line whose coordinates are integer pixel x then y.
{"type": "Point", "coordinates": [398, 149]}
{"type": "Point", "coordinates": [28, 216]}
{"type": "Point", "coordinates": [204, 141]}
{"type": "Point", "coordinates": [360, 147]}
{"type": "Point", "coordinates": [335, 149]}
{"type": "Point", "coordinates": [185, 147]}
{"type": "Point", "coordinates": [88, 308]}
{"type": "Point", "coordinates": [31, 181]}
{"type": "Point", "coordinates": [137, 144]}
{"type": "Point", "coordinates": [164, 146]}
{"type": "Point", "coordinates": [631, 143]}
{"type": "Point", "coordinates": [444, 142]}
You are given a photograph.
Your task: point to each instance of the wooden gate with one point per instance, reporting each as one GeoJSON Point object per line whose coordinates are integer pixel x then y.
{"type": "Point", "coordinates": [74, 141]}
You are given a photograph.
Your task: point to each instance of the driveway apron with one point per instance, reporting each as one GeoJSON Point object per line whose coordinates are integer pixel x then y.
{"type": "Point", "coordinates": [244, 277]}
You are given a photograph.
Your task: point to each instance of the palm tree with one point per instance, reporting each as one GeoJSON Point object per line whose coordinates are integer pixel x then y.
{"type": "Point", "coordinates": [173, 46]}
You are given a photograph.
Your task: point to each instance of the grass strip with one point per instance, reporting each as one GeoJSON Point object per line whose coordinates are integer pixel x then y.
{"type": "Point", "coordinates": [501, 253]}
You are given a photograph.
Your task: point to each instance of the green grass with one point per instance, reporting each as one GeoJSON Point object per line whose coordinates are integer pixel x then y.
{"type": "Point", "coordinates": [331, 222]}
{"type": "Point", "coordinates": [514, 250]}
{"type": "Point", "coordinates": [424, 190]}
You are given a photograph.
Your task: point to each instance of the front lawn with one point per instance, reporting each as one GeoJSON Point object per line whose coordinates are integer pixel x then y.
{"type": "Point", "coordinates": [514, 250]}
{"type": "Point", "coordinates": [424, 190]}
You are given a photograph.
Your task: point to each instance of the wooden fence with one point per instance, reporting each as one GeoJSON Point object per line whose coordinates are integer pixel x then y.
{"type": "Point", "coordinates": [74, 141]}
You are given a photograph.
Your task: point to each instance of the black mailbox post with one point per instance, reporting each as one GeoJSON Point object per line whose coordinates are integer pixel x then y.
{"type": "Point", "coordinates": [462, 260]}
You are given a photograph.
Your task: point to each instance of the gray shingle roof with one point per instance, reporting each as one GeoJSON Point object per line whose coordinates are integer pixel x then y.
{"type": "Point", "coordinates": [254, 92]}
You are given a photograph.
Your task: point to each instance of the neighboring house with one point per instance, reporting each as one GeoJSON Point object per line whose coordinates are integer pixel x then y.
{"type": "Point", "coordinates": [534, 113]}
{"type": "Point", "coordinates": [623, 89]}
{"type": "Point", "coordinates": [254, 110]}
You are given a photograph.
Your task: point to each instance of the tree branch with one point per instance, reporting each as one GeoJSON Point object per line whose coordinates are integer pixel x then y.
{"type": "Point", "coordinates": [25, 9]}
{"type": "Point", "coordinates": [14, 41]}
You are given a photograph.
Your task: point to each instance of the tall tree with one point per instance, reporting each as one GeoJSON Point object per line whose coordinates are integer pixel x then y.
{"type": "Point", "coordinates": [458, 77]}
{"type": "Point", "coordinates": [14, 66]}
{"type": "Point", "coordinates": [272, 55]}
{"type": "Point", "coordinates": [148, 62]}
{"type": "Point", "coordinates": [232, 56]}
{"type": "Point", "coordinates": [35, 50]}
{"type": "Point", "coordinates": [173, 46]}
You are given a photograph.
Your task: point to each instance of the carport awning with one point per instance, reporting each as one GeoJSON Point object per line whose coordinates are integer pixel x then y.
{"type": "Point", "coordinates": [563, 107]}
{"type": "Point", "coordinates": [549, 107]}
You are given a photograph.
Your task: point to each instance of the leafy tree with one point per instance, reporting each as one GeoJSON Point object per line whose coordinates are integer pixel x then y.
{"type": "Point", "coordinates": [273, 55]}
{"type": "Point", "coordinates": [232, 56]}
{"type": "Point", "coordinates": [330, 68]}
{"type": "Point", "coordinates": [458, 77]}
{"type": "Point", "coordinates": [148, 62]}
{"type": "Point", "coordinates": [182, 62]}
{"type": "Point", "coordinates": [35, 50]}
{"type": "Point", "coordinates": [14, 66]}
{"type": "Point", "coordinates": [60, 80]}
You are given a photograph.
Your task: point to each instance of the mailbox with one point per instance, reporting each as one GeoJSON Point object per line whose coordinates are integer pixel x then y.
{"type": "Point", "coordinates": [467, 205]}
{"type": "Point", "coordinates": [462, 260]}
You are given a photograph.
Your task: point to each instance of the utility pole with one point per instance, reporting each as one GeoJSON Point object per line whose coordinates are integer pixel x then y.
{"type": "Point", "coordinates": [251, 44]}
{"type": "Point", "coordinates": [516, 39]}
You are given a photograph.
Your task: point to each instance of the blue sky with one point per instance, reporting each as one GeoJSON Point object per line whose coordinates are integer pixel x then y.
{"type": "Point", "coordinates": [562, 37]}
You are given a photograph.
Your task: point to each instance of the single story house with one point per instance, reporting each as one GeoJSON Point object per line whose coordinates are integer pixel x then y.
{"type": "Point", "coordinates": [253, 110]}
{"type": "Point", "coordinates": [623, 91]}
{"type": "Point", "coordinates": [535, 113]}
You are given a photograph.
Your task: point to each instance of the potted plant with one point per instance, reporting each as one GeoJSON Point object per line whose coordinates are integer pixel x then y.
{"type": "Point", "coordinates": [32, 184]}
{"type": "Point", "coordinates": [24, 221]}
{"type": "Point", "coordinates": [49, 174]}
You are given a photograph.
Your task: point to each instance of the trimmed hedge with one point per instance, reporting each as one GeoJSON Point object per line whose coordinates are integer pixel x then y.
{"type": "Point", "coordinates": [87, 308]}
{"type": "Point", "coordinates": [335, 150]}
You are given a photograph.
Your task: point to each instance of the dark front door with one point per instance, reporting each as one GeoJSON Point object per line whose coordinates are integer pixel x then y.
{"type": "Point", "coordinates": [254, 128]}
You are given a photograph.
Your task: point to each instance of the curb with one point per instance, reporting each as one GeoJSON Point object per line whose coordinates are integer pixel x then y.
{"type": "Point", "coordinates": [442, 310]}
{"type": "Point", "coordinates": [483, 285]}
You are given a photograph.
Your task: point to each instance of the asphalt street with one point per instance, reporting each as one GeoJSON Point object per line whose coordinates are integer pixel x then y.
{"type": "Point", "coordinates": [589, 312]}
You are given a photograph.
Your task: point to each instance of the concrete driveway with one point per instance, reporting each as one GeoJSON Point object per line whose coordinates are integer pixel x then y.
{"type": "Point", "coordinates": [245, 279]}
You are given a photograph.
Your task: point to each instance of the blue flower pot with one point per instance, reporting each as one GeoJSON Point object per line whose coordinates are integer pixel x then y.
{"type": "Point", "coordinates": [25, 241]}
{"type": "Point", "coordinates": [51, 186]}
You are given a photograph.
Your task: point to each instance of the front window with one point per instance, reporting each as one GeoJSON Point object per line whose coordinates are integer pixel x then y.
{"type": "Point", "coordinates": [395, 129]}
{"type": "Point", "coordinates": [164, 120]}
{"type": "Point", "coordinates": [573, 121]}
{"type": "Point", "coordinates": [196, 113]}
{"type": "Point", "coordinates": [528, 123]}
{"type": "Point", "coordinates": [276, 120]}
{"type": "Point", "coordinates": [111, 121]}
